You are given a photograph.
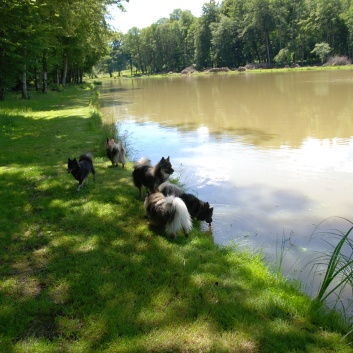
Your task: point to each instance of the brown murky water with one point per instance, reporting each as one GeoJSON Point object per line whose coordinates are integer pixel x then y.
{"type": "Point", "coordinates": [272, 152]}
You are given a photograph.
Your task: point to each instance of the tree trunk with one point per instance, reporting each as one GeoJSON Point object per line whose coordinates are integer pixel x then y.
{"type": "Point", "coordinates": [37, 82]}
{"type": "Point", "coordinates": [45, 82]}
{"type": "Point", "coordinates": [63, 81]}
{"type": "Point", "coordinates": [24, 83]}
{"type": "Point", "coordinates": [81, 76]}
{"type": "Point", "coordinates": [45, 75]}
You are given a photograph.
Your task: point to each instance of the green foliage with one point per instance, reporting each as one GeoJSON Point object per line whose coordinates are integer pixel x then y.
{"type": "Point", "coordinates": [284, 57]}
{"type": "Point", "coordinates": [233, 33]}
{"type": "Point", "coordinates": [337, 264]}
{"type": "Point", "coordinates": [51, 38]}
{"type": "Point", "coordinates": [322, 50]}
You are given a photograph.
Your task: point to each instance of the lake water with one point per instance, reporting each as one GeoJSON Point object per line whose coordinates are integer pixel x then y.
{"type": "Point", "coordinates": [272, 152]}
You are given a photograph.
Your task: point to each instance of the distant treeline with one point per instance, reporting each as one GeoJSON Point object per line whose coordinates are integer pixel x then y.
{"type": "Point", "coordinates": [54, 42]}
{"type": "Point", "coordinates": [233, 33]}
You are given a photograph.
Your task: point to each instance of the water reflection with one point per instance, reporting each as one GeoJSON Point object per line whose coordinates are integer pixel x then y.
{"type": "Point", "coordinates": [271, 152]}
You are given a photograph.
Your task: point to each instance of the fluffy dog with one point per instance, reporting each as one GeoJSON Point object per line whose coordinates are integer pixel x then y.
{"type": "Point", "coordinates": [145, 174]}
{"type": "Point", "coordinates": [198, 209]}
{"type": "Point", "coordinates": [115, 152]}
{"type": "Point", "coordinates": [81, 169]}
{"type": "Point", "coordinates": [168, 211]}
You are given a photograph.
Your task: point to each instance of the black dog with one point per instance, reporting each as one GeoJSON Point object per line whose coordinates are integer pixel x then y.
{"type": "Point", "coordinates": [81, 169]}
{"type": "Point", "coordinates": [145, 174]}
{"type": "Point", "coordinates": [198, 209]}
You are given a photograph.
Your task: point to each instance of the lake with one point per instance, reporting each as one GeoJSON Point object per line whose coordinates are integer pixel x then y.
{"type": "Point", "coordinates": [271, 151]}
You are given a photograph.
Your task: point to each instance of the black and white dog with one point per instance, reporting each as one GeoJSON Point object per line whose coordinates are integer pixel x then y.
{"type": "Point", "coordinates": [151, 177]}
{"type": "Point", "coordinates": [198, 209]}
{"type": "Point", "coordinates": [169, 212]}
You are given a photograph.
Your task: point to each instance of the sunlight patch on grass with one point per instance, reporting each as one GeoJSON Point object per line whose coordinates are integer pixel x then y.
{"type": "Point", "coordinates": [87, 245]}
{"type": "Point", "coordinates": [59, 292]}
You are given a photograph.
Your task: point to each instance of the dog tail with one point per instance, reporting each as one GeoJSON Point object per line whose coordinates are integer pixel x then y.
{"type": "Point", "coordinates": [181, 219]}
{"type": "Point", "coordinates": [89, 158]}
{"type": "Point", "coordinates": [167, 189]}
{"type": "Point", "coordinates": [86, 157]}
{"type": "Point", "coordinates": [143, 162]}
{"type": "Point", "coordinates": [122, 153]}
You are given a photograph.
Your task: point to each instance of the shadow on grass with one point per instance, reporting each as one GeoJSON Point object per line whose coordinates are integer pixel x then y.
{"type": "Point", "coordinates": [83, 269]}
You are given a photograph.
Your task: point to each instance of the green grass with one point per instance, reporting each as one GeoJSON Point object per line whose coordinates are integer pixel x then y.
{"type": "Point", "coordinates": [83, 272]}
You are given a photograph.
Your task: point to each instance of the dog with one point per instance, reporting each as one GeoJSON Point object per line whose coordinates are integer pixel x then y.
{"type": "Point", "coordinates": [115, 152]}
{"type": "Point", "coordinates": [81, 169]}
{"type": "Point", "coordinates": [168, 211]}
{"type": "Point", "coordinates": [198, 209]}
{"type": "Point", "coordinates": [151, 177]}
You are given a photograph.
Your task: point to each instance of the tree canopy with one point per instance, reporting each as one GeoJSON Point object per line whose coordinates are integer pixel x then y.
{"type": "Point", "coordinates": [51, 39]}
{"type": "Point", "coordinates": [233, 33]}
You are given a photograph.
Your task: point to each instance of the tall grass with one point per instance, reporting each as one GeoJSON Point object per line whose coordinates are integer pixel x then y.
{"type": "Point", "coordinates": [335, 265]}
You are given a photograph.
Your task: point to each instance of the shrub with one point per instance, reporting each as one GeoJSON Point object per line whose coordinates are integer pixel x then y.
{"type": "Point", "coordinates": [283, 57]}
{"type": "Point", "coordinates": [338, 61]}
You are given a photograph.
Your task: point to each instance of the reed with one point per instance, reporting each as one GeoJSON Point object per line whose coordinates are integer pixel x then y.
{"type": "Point", "coordinates": [338, 265]}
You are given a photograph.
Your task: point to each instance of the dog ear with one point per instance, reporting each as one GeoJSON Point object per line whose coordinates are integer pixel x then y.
{"type": "Point", "coordinates": [68, 160]}
{"type": "Point", "coordinates": [107, 140]}
{"type": "Point", "coordinates": [168, 159]}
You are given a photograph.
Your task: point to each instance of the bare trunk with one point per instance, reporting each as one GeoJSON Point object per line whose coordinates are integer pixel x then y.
{"type": "Point", "coordinates": [24, 83]}
{"type": "Point", "coordinates": [81, 76]}
{"type": "Point", "coordinates": [63, 81]}
{"type": "Point", "coordinates": [45, 82]}
{"type": "Point", "coordinates": [37, 81]}
{"type": "Point", "coordinates": [45, 75]}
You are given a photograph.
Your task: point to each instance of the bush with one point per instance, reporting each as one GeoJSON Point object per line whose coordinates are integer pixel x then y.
{"type": "Point", "coordinates": [338, 61]}
{"type": "Point", "coordinates": [283, 57]}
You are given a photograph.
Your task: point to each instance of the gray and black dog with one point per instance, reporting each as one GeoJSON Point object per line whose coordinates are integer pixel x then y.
{"type": "Point", "coordinates": [198, 209]}
{"type": "Point", "coordinates": [151, 177]}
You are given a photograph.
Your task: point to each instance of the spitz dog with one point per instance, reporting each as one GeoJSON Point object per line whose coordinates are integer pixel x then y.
{"type": "Point", "coordinates": [145, 174]}
{"type": "Point", "coordinates": [81, 169]}
{"type": "Point", "coordinates": [168, 211]}
{"type": "Point", "coordinates": [115, 152]}
{"type": "Point", "coordinates": [198, 209]}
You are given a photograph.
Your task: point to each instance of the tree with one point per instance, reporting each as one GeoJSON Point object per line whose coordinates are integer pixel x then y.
{"type": "Point", "coordinates": [227, 46]}
{"type": "Point", "coordinates": [258, 25]}
{"type": "Point", "coordinates": [321, 50]}
{"type": "Point", "coordinates": [203, 36]}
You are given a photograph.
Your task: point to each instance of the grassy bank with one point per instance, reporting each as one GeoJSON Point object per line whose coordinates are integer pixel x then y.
{"type": "Point", "coordinates": [83, 272]}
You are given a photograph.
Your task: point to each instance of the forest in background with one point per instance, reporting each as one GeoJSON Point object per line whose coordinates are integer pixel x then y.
{"type": "Point", "coordinates": [233, 33]}
{"type": "Point", "coordinates": [49, 43]}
